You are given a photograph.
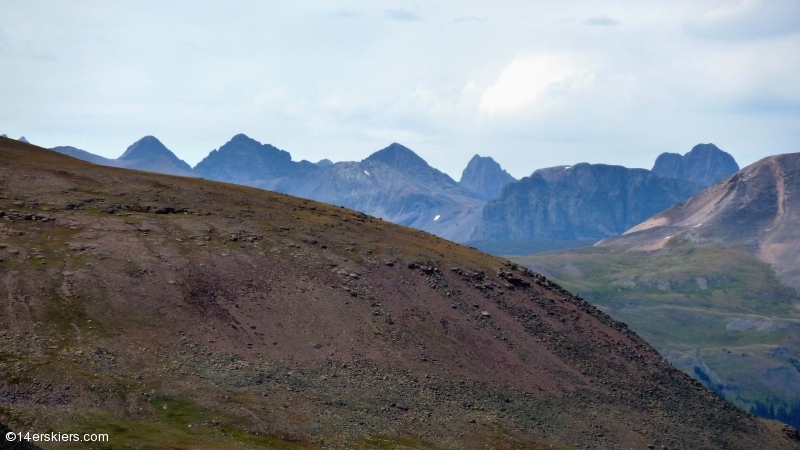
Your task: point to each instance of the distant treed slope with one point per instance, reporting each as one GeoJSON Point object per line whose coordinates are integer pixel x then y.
{"type": "Point", "coordinates": [484, 177]}
{"type": "Point", "coordinates": [585, 201]}
{"type": "Point", "coordinates": [705, 164]}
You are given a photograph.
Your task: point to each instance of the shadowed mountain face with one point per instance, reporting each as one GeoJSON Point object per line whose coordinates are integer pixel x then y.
{"type": "Point", "coordinates": [252, 319]}
{"type": "Point", "coordinates": [394, 184]}
{"type": "Point", "coordinates": [484, 178]}
{"type": "Point", "coordinates": [147, 154]}
{"type": "Point", "coordinates": [705, 164]}
{"type": "Point", "coordinates": [585, 201]}
{"type": "Point", "coordinates": [243, 160]}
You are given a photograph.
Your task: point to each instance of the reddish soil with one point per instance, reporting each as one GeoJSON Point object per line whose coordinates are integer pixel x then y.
{"type": "Point", "coordinates": [272, 321]}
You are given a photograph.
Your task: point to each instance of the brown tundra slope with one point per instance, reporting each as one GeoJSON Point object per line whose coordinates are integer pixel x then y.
{"type": "Point", "coordinates": [180, 313]}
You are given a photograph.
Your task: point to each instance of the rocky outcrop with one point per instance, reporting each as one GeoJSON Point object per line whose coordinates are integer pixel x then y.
{"type": "Point", "coordinates": [585, 201]}
{"type": "Point", "coordinates": [484, 178]}
{"type": "Point", "coordinates": [705, 164]}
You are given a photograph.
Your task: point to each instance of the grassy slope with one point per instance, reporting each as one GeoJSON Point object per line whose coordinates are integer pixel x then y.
{"type": "Point", "coordinates": [714, 312]}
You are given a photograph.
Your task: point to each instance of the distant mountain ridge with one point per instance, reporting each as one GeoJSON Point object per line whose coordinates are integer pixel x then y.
{"type": "Point", "coordinates": [554, 204]}
{"type": "Point", "coordinates": [394, 184]}
{"type": "Point", "coordinates": [705, 164]}
{"type": "Point", "coordinates": [148, 153]}
{"type": "Point", "coordinates": [584, 201]}
{"type": "Point", "coordinates": [244, 160]}
{"type": "Point", "coordinates": [484, 177]}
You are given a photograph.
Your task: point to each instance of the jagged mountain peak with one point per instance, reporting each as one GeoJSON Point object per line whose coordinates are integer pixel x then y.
{"type": "Point", "coordinates": [247, 161]}
{"type": "Point", "coordinates": [704, 164]}
{"type": "Point", "coordinates": [484, 177]}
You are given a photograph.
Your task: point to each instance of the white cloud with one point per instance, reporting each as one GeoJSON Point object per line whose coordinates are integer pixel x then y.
{"type": "Point", "coordinates": [534, 81]}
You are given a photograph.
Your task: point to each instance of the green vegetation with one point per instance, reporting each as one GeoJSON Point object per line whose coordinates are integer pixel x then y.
{"type": "Point", "coordinates": [719, 314]}
{"type": "Point", "coordinates": [527, 247]}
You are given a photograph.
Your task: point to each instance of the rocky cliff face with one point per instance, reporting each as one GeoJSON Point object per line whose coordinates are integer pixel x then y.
{"type": "Point", "coordinates": [705, 164]}
{"type": "Point", "coordinates": [585, 201]}
{"type": "Point", "coordinates": [484, 178]}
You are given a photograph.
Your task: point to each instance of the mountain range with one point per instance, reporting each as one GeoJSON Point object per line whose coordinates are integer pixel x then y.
{"type": "Point", "coordinates": [584, 201]}
{"type": "Point", "coordinates": [712, 283]}
{"type": "Point", "coordinates": [177, 312]}
{"type": "Point", "coordinates": [555, 207]}
{"type": "Point", "coordinates": [148, 154]}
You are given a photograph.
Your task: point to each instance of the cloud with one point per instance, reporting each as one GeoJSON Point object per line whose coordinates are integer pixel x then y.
{"type": "Point", "coordinates": [601, 21]}
{"type": "Point", "coordinates": [531, 81]}
{"type": "Point", "coordinates": [402, 14]}
{"type": "Point", "coordinates": [747, 19]}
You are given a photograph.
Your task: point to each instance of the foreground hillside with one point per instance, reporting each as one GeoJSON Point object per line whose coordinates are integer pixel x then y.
{"type": "Point", "coordinates": [179, 313]}
{"type": "Point", "coordinates": [711, 283]}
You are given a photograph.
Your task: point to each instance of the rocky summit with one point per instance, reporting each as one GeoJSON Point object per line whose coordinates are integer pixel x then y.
{"type": "Point", "coordinates": [244, 160]}
{"type": "Point", "coordinates": [705, 164]}
{"type": "Point", "coordinates": [175, 312]}
{"type": "Point", "coordinates": [484, 178]}
{"type": "Point", "coordinates": [584, 201]}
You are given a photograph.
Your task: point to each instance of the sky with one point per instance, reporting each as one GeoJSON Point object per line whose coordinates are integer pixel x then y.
{"type": "Point", "coordinates": [530, 83]}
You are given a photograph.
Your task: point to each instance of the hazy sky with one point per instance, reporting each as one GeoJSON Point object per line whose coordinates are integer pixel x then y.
{"type": "Point", "coordinates": [530, 83]}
